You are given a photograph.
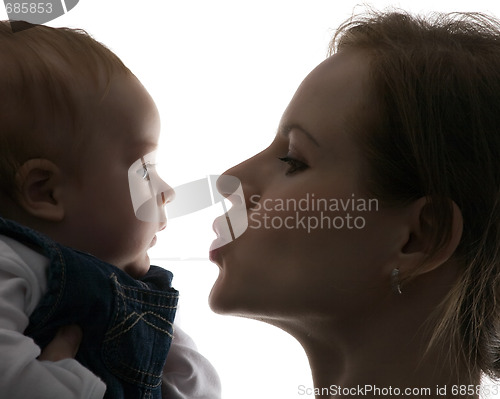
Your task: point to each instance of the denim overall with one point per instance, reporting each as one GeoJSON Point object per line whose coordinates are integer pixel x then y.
{"type": "Point", "coordinates": [126, 323]}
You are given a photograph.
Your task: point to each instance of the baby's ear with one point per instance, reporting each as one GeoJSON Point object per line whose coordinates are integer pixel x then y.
{"type": "Point", "coordinates": [39, 189]}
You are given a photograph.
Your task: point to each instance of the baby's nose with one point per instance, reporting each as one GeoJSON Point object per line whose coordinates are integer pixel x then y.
{"type": "Point", "coordinates": [167, 194]}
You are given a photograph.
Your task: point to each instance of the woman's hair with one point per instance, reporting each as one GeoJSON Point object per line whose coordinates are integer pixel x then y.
{"type": "Point", "coordinates": [437, 84]}
{"type": "Point", "coordinates": [45, 76]}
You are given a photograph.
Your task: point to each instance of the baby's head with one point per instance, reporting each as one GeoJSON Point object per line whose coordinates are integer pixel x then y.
{"type": "Point", "coordinates": [77, 133]}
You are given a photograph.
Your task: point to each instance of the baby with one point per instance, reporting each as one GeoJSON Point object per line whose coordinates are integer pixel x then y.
{"type": "Point", "coordinates": [80, 205]}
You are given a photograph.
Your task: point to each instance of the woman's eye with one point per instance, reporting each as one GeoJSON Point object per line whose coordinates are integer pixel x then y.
{"type": "Point", "coordinates": [295, 165]}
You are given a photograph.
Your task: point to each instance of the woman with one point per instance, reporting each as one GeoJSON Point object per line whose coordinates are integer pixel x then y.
{"type": "Point", "coordinates": [373, 217]}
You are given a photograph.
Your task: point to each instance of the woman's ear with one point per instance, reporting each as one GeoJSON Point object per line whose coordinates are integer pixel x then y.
{"type": "Point", "coordinates": [39, 189]}
{"type": "Point", "coordinates": [417, 256]}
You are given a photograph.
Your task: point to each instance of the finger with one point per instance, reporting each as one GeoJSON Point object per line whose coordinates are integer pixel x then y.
{"type": "Point", "coordinates": [64, 345]}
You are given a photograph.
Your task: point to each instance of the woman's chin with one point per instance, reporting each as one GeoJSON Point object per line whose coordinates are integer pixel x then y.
{"type": "Point", "coordinates": [232, 299]}
{"type": "Point", "coordinates": [224, 299]}
{"type": "Point", "coordinates": [216, 299]}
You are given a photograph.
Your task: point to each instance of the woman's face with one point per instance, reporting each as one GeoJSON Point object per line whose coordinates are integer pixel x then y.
{"type": "Point", "coordinates": [315, 242]}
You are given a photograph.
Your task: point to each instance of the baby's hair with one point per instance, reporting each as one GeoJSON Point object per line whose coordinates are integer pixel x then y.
{"type": "Point", "coordinates": [45, 74]}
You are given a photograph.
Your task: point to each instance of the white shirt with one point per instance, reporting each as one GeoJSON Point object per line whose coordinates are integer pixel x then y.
{"type": "Point", "coordinates": [23, 282]}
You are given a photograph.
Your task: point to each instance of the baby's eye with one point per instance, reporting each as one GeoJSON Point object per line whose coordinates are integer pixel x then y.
{"type": "Point", "coordinates": [144, 171]}
{"type": "Point", "coordinates": [295, 165]}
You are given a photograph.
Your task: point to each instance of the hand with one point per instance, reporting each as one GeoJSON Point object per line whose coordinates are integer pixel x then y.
{"type": "Point", "coordinates": [64, 345]}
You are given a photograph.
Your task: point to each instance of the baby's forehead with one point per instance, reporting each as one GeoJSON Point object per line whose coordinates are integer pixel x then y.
{"type": "Point", "coordinates": [126, 113]}
{"type": "Point", "coordinates": [67, 99]}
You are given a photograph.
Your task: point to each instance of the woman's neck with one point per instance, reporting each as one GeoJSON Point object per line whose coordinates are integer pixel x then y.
{"type": "Point", "coordinates": [391, 366]}
{"type": "Point", "coordinates": [383, 351]}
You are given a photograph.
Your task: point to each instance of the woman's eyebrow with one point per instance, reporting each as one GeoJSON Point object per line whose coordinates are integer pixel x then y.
{"type": "Point", "coordinates": [285, 130]}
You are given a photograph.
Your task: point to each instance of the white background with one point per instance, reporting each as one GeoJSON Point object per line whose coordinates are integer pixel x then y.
{"type": "Point", "coordinates": [221, 73]}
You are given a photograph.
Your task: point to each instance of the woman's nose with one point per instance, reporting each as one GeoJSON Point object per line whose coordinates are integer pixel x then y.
{"type": "Point", "coordinates": [229, 186]}
{"type": "Point", "coordinates": [246, 175]}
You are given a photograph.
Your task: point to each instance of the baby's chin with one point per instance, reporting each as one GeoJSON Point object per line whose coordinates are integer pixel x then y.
{"type": "Point", "coordinates": [138, 268]}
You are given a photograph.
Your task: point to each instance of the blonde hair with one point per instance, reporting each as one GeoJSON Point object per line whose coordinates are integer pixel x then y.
{"type": "Point", "coordinates": [44, 72]}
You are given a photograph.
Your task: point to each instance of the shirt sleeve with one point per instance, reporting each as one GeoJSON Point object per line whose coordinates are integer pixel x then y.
{"type": "Point", "coordinates": [188, 374]}
{"type": "Point", "coordinates": [21, 374]}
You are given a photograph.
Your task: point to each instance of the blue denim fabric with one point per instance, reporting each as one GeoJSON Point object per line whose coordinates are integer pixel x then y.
{"type": "Point", "coordinates": [127, 323]}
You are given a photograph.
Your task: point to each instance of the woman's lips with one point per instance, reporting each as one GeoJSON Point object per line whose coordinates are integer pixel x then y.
{"type": "Point", "coordinates": [219, 229]}
{"type": "Point", "coordinates": [214, 253]}
{"type": "Point", "coordinates": [228, 228]}
{"type": "Point", "coordinates": [224, 236]}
